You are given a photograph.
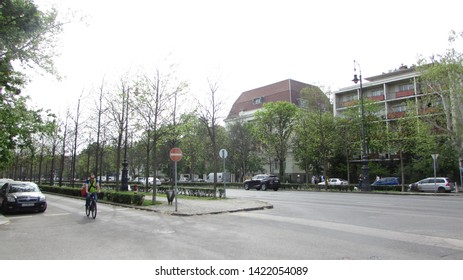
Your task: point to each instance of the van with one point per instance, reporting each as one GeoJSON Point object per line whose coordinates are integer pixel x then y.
{"type": "Point", "coordinates": [220, 177]}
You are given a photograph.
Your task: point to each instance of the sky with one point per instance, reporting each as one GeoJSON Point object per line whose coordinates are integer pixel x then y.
{"type": "Point", "coordinates": [243, 44]}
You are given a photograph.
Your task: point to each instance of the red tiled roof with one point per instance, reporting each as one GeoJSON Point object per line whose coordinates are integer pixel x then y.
{"type": "Point", "coordinates": [286, 90]}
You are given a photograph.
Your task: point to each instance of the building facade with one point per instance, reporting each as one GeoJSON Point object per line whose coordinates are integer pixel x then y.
{"type": "Point", "coordinates": [253, 100]}
{"type": "Point", "coordinates": [392, 90]}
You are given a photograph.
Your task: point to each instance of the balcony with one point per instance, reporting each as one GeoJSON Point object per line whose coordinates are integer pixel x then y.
{"type": "Point", "coordinates": [377, 98]}
{"type": "Point", "coordinates": [395, 115]}
{"type": "Point", "coordinates": [404, 93]}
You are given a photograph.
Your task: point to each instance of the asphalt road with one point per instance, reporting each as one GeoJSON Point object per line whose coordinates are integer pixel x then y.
{"type": "Point", "coordinates": [301, 226]}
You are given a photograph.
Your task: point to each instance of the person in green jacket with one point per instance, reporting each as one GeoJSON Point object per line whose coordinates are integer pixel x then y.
{"type": "Point", "coordinates": [92, 187]}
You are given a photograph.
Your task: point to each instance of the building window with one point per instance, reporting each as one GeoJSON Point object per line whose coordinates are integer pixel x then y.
{"type": "Point", "coordinates": [374, 93]}
{"type": "Point", "coordinates": [399, 108]}
{"type": "Point", "coordinates": [406, 87]}
{"type": "Point", "coordinates": [258, 100]}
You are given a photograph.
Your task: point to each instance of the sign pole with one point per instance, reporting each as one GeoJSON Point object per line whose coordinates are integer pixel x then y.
{"type": "Point", "coordinates": [175, 154]}
{"type": "Point", "coordinates": [223, 154]}
{"type": "Point", "coordinates": [223, 177]}
{"type": "Point", "coordinates": [176, 189]}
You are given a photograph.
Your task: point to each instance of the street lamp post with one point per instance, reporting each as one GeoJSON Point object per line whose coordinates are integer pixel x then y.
{"type": "Point", "coordinates": [365, 172]}
{"type": "Point", "coordinates": [125, 163]}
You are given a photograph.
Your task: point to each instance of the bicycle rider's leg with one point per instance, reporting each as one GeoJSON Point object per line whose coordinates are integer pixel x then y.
{"type": "Point", "coordinates": [87, 200]}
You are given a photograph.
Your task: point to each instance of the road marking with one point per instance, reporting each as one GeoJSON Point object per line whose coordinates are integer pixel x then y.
{"type": "Point", "coordinates": [444, 242]}
{"type": "Point", "coordinates": [19, 217]}
{"type": "Point", "coordinates": [57, 214]}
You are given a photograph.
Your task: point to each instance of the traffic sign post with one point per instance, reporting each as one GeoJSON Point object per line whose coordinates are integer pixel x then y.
{"type": "Point", "coordinates": [175, 155]}
{"type": "Point", "coordinates": [223, 154]}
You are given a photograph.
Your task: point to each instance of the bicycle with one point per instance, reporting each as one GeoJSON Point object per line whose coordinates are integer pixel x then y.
{"type": "Point", "coordinates": [92, 209]}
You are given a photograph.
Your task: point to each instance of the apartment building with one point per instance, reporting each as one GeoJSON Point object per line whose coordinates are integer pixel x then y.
{"type": "Point", "coordinates": [392, 90]}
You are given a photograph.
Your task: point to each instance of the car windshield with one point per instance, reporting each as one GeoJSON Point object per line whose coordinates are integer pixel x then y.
{"type": "Point", "coordinates": [16, 188]}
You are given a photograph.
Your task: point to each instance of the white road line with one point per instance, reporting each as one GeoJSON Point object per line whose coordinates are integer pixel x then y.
{"type": "Point", "coordinates": [57, 214]}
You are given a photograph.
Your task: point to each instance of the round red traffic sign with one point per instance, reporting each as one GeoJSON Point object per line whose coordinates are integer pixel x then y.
{"type": "Point", "coordinates": [176, 154]}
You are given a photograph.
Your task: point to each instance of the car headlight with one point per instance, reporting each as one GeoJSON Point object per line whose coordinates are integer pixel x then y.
{"type": "Point", "coordinates": [42, 199]}
{"type": "Point", "coordinates": [11, 199]}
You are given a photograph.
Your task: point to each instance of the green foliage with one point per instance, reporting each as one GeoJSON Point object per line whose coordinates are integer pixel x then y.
{"type": "Point", "coordinates": [28, 36]}
{"type": "Point", "coordinates": [315, 140]}
{"type": "Point", "coordinates": [107, 195]}
{"type": "Point", "coordinates": [242, 150]}
{"type": "Point", "coordinates": [274, 126]}
{"type": "Point", "coordinates": [442, 80]}
{"type": "Point", "coordinates": [18, 126]}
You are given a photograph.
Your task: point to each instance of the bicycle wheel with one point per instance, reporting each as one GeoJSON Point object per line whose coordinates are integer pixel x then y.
{"type": "Point", "coordinates": [93, 209]}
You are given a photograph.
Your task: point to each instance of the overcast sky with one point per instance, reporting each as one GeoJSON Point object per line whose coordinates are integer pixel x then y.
{"type": "Point", "coordinates": [248, 44]}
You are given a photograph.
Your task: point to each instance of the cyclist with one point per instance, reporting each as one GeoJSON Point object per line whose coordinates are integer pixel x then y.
{"type": "Point", "coordinates": [92, 187]}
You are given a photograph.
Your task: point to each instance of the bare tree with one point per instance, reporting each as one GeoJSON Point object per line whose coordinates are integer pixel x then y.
{"type": "Point", "coordinates": [209, 115]}
{"type": "Point", "coordinates": [117, 115]}
{"type": "Point", "coordinates": [76, 133]}
{"type": "Point", "coordinates": [154, 95]}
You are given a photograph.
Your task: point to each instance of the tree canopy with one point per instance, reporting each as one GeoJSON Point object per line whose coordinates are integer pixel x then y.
{"type": "Point", "coordinates": [27, 39]}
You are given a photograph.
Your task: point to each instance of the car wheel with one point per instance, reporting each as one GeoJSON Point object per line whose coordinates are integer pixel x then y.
{"type": "Point", "coordinates": [264, 187]}
{"type": "Point", "coordinates": [441, 190]}
{"type": "Point", "coordinates": [246, 186]}
{"type": "Point", "coordinates": [275, 189]}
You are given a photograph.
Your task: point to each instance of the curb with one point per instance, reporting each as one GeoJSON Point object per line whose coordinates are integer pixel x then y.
{"type": "Point", "coordinates": [3, 220]}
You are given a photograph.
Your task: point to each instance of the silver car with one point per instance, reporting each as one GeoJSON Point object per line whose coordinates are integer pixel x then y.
{"type": "Point", "coordinates": [431, 184]}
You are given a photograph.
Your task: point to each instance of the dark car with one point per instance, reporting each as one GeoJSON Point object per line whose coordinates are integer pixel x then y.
{"type": "Point", "coordinates": [21, 196]}
{"type": "Point", "coordinates": [262, 182]}
{"type": "Point", "coordinates": [387, 181]}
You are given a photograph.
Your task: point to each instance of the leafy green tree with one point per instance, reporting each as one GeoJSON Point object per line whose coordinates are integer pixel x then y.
{"type": "Point", "coordinates": [28, 36]}
{"type": "Point", "coordinates": [274, 126]}
{"type": "Point", "coordinates": [310, 147]}
{"type": "Point", "coordinates": [315, 139]}
{"type": "Point", "coordinates": [18, 125]}
{"type": "Point", "coordinates": [442, 81]}
{"type": "Point", "coordinates": [242, 149]}
{"type": "Point", "coordinates": [193, 144]}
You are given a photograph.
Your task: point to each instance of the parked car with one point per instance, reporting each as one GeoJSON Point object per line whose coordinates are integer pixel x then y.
{"type": "Point", "coordinates": [262, 182]}
{"type": "Point", "coordinates": [335, 182]}
{"type": "Point", "coordinates": [387, 181]}
{"type": "Point", "coordinates": [142, 181]}
{"type": "Point", "coordinates": [431, 184]}
{"type": "Point", "coordinates": [21, 196]}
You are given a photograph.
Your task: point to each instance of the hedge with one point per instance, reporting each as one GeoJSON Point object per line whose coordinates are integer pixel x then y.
{"type": "Point", "coordinates": [106, 195]}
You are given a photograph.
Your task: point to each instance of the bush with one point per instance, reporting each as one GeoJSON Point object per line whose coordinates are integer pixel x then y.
{"type": "Point", "coordinates": [106, 195]}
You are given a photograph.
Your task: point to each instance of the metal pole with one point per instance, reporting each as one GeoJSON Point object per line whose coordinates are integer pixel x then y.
{"type": "Point", "coordinates": [125, 163]}
{"type": "Point", "coordinates": [223, 177]}
{"type": "Point", "coordinates": [176, 189]}
{"type": "Point", "coordinates": [365, 172]}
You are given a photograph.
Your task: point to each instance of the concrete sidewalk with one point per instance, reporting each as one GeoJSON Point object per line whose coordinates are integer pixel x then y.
{"type": "Point", "coordinates": [191, 207]}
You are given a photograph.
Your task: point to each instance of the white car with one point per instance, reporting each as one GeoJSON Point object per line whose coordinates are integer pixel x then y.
{"type": "Point", "coordinates": [335, 182]}
{"type": "Point", "coordinates": [431, 184]}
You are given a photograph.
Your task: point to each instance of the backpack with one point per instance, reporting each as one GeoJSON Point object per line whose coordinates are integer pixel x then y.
{"type": "Point", "coordinates": [83, 191]}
